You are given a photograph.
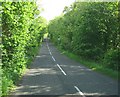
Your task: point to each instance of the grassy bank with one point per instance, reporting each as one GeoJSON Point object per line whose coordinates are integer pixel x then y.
{"type": "Point", "coordinates": [99, 67]}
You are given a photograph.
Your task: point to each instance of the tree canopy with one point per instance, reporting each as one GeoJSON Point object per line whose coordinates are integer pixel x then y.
{"type": "Point", "coordinates": [90, 30]}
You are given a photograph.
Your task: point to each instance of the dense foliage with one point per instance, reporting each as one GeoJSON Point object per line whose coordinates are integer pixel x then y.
{"type": "Point", "coordinates": [22, 33]}
{"type": "Point", "coordinates": [0, 53]}
{"type": "Point", "coordinates": [90, 30]}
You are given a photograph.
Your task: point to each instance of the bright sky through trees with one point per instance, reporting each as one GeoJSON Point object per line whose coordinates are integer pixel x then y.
{"type": "Point", "coordinates": [53, 8]}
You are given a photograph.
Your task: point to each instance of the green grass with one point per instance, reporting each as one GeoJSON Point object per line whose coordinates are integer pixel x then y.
{"type": "Point", "coordinates": [98, 67]}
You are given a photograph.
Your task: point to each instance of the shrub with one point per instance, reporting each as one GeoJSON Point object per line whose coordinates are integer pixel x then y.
{"type": "Point", "coordinates": [112, 59]}
{"type": "Point", "coordinates": [21, 35]}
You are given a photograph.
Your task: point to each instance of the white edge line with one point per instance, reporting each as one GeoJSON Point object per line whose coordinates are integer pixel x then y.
{"type": "Point", "coordinates": [79, 91]}
{"type": "Point", "coordinates": [53, 58]}
{"type": "Point", "coordinates": [61, 69]}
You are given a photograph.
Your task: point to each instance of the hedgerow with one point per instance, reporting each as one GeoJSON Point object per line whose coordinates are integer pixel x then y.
{"type": "Point", "coordinates": [22, 33]}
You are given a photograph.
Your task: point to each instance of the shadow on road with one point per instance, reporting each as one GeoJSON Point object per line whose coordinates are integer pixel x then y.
{"type": "Point", "coordinates": [44, 79]}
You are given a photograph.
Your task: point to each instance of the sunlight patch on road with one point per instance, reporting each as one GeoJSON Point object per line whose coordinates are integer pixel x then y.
{"type": "Point", "coordinates": [41, 56]}
{"type": "Point", "coordinates": [62, 52]}
{"type": "Point", "coordinates": [35, 72]}
{"type": "Point", "coordinates": [94, 94]}
{"type": "Point", "coordinates": [31, 90]}
{"type": "Point", "coordinates": [93, 68]}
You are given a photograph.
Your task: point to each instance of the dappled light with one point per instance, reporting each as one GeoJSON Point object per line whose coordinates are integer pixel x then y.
{"type": "Point", "coordinates": [33, 89]}
{"type": "Point", "coordinates": [74, 54]}
{"type": "Point", "coordinates": [35, 72]}
{"type": "Point", "coordinates": [40, 56]}
{"type": "Point", "coordinates": [44, 77]}
{"type": "Point", "coordinates": [94, 94]}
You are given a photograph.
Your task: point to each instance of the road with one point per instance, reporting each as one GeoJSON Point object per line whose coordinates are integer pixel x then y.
{"type": "Point", "coordinates": [53, 73]}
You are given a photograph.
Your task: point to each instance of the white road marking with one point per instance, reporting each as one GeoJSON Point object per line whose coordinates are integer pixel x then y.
{"type": "Point", "coordinates": [79, 91]}
{"type": "Point", "coordinates": [47, 44]}
{"type": "Point", "coordinates": [53, 58]}
{"type": "Point", "coordinates": [61, 69]}
{"type": "Point", "coordinates": [50, 53]}
{"type": "Point", "coordinates": [65, 73]}
{"type": "Point", "coordinates": [49, 49]}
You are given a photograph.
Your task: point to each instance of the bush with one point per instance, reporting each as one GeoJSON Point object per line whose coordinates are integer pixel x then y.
{"type": "Point", "coordinates": [6, 85]}
{"type": "Point", "coordinates": [21, 35]}
{"type": "Point", "coordinates": [87, 51]}
{"type": "Point", "coordinates": [112, 59]}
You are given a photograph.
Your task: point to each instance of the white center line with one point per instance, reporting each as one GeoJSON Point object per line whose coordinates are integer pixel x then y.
{"type": "Point", "coordinates": [61, 69]}
{"type": "Point", "coordinates": [79, 91]}
{"type": "Point", "coordinates": [47, 45]}
{"type": "Point", "coordinates": [50, 53]}
{"type": "Point", "coordinates": [49, 49]}
{"type": "Point", "coordinates": [65, 73]}
{"type": "Point", "coordinates": [53, 58]}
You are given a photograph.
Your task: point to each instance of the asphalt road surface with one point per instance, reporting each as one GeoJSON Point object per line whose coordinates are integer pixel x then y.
{"type": "Point", "coordinates": [53, 73]}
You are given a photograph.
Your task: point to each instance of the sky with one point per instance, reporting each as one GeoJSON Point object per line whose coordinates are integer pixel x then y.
{"type": "Point", "coordinates": [53, 8]}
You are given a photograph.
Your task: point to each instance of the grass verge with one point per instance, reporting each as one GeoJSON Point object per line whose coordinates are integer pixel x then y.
{"type": "Point", "coordinates": [99, 67]}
